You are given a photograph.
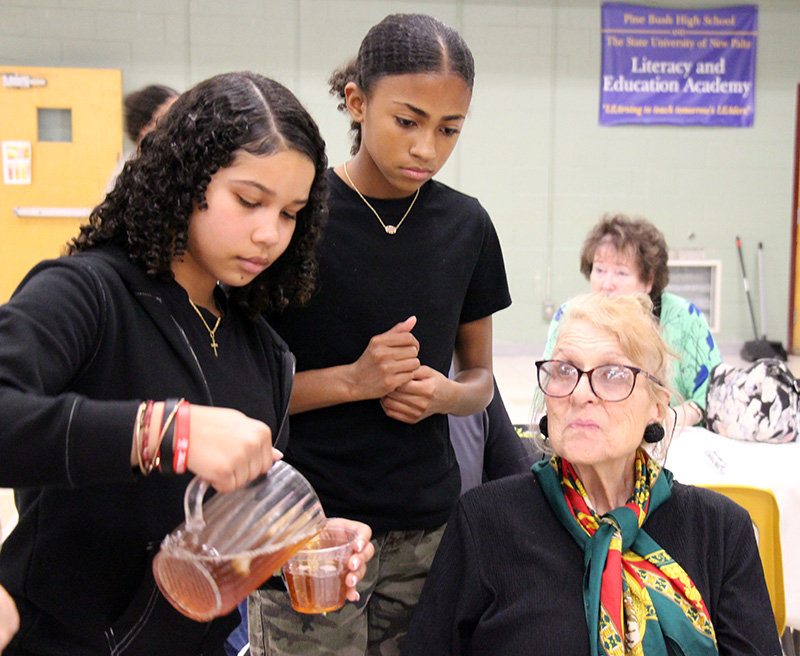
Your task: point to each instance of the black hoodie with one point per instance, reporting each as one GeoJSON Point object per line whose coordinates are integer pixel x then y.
{"type": "Point", "coordinates": [83, 341]}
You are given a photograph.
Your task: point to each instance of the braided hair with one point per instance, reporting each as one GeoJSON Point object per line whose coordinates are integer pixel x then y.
{"type": "Point", "coordinates": [148, 211]}
{"type": "Point", "coordinates": [401, 44]}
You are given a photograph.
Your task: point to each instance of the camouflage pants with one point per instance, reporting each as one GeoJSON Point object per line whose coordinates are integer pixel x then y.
{"type": "Point", "coordinates": [375, 626]}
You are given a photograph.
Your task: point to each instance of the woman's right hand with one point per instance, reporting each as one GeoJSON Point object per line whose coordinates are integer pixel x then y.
{"type": "Point", "coordinates": [228, 448]}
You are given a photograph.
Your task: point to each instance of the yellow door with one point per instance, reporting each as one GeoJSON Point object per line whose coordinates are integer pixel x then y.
{"type": "Point", "coordinates": [61, 137]}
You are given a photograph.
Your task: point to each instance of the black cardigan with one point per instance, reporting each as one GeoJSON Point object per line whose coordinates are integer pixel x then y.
{"type": "Point", "coordinates": [507, 578]}
{"type": "Point", "coordinates": [83, 341]}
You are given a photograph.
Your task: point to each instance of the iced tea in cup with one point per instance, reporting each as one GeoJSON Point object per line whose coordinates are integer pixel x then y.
{"type": "Point", "coordinates": [234, 542]}
{"type": "Point", "coordinates": [315, 575]}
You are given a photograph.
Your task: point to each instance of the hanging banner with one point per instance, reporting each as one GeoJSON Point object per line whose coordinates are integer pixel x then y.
{"type": "Point", "coordinates": [678, 66]}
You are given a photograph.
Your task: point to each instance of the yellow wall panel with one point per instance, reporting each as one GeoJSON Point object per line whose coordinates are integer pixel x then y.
{"type": "Point", "coordinates": [71, 175]}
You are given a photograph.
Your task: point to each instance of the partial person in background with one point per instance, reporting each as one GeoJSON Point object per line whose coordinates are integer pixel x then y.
{"type": "Point", "coordinates": [487, 446]}
{"type": "Point", "coordinates": [598, 550]}
{"type": "Point", "coordinates": [142, 109]}
{"type": "Point", "coordinates": [622, 255]}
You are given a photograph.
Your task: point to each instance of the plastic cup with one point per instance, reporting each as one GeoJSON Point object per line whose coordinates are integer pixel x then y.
{"type": "Point", "coordinates": [315, 575]}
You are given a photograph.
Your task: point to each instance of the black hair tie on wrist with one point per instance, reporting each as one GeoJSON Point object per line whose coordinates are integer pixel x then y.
{"type": "Point", "coordinates": [167, 454]}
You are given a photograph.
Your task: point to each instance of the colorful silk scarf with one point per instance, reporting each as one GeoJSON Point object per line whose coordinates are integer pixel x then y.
{"type": "Point", "coordinates": [636, 597]}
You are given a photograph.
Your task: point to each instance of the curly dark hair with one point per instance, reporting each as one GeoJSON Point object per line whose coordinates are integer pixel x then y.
{"type": "Point", "coordinates": [148, 211]}
{"type": "Point", "coordinates": [139, 107]}
{"type": "Point", "coordinates": [400, 44]}
{"type": "Point", "coordinates": [637, 237]}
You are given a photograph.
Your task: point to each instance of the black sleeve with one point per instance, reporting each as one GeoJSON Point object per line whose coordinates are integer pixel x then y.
{"type": "Point", "coordinates": [504, 453]}
{"type": "Point", "coordinates": [488, 288]}
{"type": "Point", "coordinates": [743, 619]}
{"type": "Point", "coordinates": [453, 598]}
{"type": "Point", "coordinates": [51, 436]}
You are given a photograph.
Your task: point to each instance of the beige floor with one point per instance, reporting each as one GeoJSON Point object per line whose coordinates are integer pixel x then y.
{"type": "Point", "coordinates": [515, 371]}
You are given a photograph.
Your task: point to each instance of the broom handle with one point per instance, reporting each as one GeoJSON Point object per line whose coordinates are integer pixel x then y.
{"type": "Point", "coordinates": [762, 298]}
{"type": "Point", "coordinates": [747, 287]}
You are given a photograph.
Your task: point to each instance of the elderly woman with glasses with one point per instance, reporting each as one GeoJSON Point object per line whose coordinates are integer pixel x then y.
{"type": "Point", "coordinates": [598, 550]}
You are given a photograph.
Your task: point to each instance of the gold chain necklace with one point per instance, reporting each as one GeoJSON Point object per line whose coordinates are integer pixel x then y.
{"type": "Point", "coordinates": [390, 229]}
{"type": "Point", "coordinates": [211, 331]}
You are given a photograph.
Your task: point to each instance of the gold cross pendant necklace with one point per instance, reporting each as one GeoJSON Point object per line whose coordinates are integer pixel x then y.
{"type": "Point", "coordinates": [211, 331]}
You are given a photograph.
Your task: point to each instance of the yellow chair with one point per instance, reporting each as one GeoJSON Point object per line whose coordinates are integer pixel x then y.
{"type": "Point", "coordinates": [763, 509]}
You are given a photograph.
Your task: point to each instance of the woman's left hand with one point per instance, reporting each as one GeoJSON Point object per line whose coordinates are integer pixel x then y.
{"type": "Point", "coordinates": [363, 552]}
{"type": "Point", "coordinates": [419, 398]}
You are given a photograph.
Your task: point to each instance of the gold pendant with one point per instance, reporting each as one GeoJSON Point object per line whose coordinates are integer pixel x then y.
{"type": "Point", "coordinates": [390, 229]}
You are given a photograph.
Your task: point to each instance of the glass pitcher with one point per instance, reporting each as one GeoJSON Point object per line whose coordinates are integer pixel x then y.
{"type": "Point", "coordinates": [230, 545]}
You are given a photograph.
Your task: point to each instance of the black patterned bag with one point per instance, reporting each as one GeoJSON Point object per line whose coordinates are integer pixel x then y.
{"type": "Point", "coordinates": [758, 403]}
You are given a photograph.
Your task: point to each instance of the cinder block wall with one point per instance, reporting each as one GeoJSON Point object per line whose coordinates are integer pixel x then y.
{"type": "Point", "coordinates": [532, 150]}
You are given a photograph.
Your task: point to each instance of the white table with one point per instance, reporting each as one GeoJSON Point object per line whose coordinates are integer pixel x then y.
{"type": "Point", "coordinates": [700, 456]}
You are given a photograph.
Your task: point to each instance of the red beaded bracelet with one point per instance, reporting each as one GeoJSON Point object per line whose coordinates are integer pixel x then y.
{"type": "Point", "coordinates": [181, 444]}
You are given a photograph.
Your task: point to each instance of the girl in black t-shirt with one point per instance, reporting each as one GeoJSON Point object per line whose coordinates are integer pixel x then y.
{"type": "Point", "coordinates": [410, 274]}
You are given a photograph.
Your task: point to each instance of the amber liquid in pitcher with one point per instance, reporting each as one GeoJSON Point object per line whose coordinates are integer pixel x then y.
{"type": "Point", "coordinates": [204, 586]}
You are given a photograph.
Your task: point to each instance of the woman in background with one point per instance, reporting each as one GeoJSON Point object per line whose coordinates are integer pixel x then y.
{"type": "Point", "coordinates": [627, 256]}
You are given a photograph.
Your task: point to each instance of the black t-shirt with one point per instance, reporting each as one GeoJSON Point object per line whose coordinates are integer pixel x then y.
{"type": "Point", "coordinates": [232, 376]}
{"type": "Point", "coordinates": [444, 265]}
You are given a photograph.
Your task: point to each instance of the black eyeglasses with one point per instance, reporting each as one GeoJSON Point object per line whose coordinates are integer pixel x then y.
{"type": "Point", "coordinates": [609, 382]}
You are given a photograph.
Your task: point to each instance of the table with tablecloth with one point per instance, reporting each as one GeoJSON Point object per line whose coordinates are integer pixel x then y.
{"type": "Point", "coordinates": [698, 456]}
